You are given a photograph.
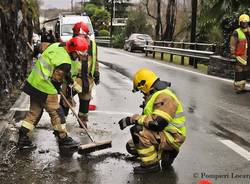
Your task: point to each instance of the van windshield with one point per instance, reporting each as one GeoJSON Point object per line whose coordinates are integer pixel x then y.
{"type": "Point", "coordinates": [67, 29]}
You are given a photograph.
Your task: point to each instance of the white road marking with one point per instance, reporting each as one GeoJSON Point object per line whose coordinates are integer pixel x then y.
{"type": "Point", "coordinates": [111, 112]}
{"type": "Point", "coordinates": [177, 68]}
{"type": "Point", "coordinates": [241, 151]}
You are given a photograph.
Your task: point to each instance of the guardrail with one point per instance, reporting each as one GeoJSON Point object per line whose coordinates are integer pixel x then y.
{"type": "Point", "coordinates": [201, 51]}
{"type": "Point", "coordinates": [103, 41]}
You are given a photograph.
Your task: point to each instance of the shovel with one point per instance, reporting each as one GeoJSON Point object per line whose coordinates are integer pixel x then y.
{"type": "Point", "coordinates": [91, 147]}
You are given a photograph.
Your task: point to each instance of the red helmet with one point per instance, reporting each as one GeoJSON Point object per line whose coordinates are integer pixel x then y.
{"type": "Point", "coordinates": [81, 28]}
{"type": "Point", "coordinates": [77, 44]}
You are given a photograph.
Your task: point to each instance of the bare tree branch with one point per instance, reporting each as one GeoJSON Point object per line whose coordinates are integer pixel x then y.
{"type": "Point", "coordinates": [147, 8]}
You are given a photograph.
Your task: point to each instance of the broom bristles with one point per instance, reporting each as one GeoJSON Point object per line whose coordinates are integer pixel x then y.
{"type": "Point", "coordinates": [95, 146]}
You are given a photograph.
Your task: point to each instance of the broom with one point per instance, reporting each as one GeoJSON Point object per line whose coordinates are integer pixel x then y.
{"type": "Point", "coordinates": [91, 147]}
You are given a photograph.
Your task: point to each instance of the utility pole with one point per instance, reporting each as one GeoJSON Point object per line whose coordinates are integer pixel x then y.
{"type": "Point", "coordinates": [71, 5]}
{"type": "Point", "coordinates": [111, 22]}
{"type": "Point", "coordinates": [193, 31]}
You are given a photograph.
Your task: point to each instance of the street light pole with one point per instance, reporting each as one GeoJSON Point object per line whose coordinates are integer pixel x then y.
{"type": "Point", "coordinates": [193, 31]}
{"type": "Point", "coordinates": [111, 22]}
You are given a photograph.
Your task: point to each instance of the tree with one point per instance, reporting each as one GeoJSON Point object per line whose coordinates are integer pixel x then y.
{"type": "Point", "coordinates": [157, 17]}
{"type": "Point", "coordinates": [170, 20]}
{"type": "Point", "coordinates": [137, 23]}
{"type": "Point", "coordinates": [217, 20]}
{"type": "Point", "coordinates": [163, 31]}
{"type": "Point", "coordinates": [101, 19]}
{"type": "Point", "coordinates": [98, 15]}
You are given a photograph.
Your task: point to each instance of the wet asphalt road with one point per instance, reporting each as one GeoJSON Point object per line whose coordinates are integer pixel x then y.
{"type": "Point", "coordinates": [209, 102]}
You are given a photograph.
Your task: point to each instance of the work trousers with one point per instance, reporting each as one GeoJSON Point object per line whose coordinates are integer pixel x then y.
{"type": "Point", "coordinates": [241, 74]}
{"type": "Point", "coordinates": [150, 144]}
{"type": "Point", "coordinates": [51, 105]}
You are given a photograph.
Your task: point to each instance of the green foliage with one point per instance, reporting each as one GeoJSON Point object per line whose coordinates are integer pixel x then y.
{"type": "Point", "coordinates": [118, 40]}
{"type": "Point", "coordinates": [211, 21]}
{"type": "Point", "coordinates": [98, 3]}
{"type": "Point", "coordinates": [103, 32]}
{"type": "Point", "coordinates": [33, 5]}
{"type": "Point", "coordinates": [90, 9]}
{"type": "Point", "coordinates": [137, 23]}
{"type": "Point", "coordinates": [99, 16]}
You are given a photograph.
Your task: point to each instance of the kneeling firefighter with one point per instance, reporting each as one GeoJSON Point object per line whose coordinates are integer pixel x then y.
{"type": "Point", "coordinates": [43, 85]}
{"type": "Point", "coordinates": [159, 132]}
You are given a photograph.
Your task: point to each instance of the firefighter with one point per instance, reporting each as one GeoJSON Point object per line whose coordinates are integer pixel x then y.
{"type": "Point", "coordinates": [43, 85]}
{"type": "Point", "coordinates": [159, 132]}
{"type": "Point", "coordinates": [86, 74]}
{"type": "Point", "coordinates": [238, 49]}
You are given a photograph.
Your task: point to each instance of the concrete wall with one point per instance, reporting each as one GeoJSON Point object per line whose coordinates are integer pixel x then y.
{"type": "Point", "coordinates": [221, 67]}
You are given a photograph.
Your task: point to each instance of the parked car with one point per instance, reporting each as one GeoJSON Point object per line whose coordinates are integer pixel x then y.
{"type": "Point", "coordinates": [137, 41]}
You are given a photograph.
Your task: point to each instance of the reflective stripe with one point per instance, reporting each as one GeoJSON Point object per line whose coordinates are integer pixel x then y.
{"type": "Point", "coordinates": [39, 72]}
{"type": "Point", "coordinates": [179, 115]}
{"type": "Point", "coordinates": [240, 82]}
{"type": "Point", "coordinates": [141, 120]}
{"type": "Point", "coordinates": [58, 127]}
{"type": "Point", "coordinates": [150, 158]}
{"type": "Point", "coordinates": [177, 125]}
{"type": "Point", "coordinates": [82, 114]}
{"type": "Point", "coordinates": [63, 126]}
{"type": "Point", "coordinates": [45, 64]}
{"type": "Point", "coordinates": [171, 141]}
{"type": "Point", "coordinates": [241, 60]}
{"type": "Point", "coordinates": [144, 151]}
{"type": "Point", "coordinates": [93, 57]}
{"type": "Point", "coordinates": [28, 125]}
{"type": "Point", "coordinates": [163, 114]}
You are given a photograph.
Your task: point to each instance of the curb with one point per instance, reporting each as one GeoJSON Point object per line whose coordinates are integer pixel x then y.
{"type": "Point", "coordinates": [8, 129]}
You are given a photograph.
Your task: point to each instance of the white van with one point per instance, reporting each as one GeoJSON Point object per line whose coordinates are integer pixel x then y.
{"type": "Point", "coordinates": [65, 23]}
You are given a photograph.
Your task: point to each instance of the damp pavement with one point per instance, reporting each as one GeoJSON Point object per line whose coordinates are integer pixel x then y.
{"type": "Point", "coordinates": [213, 111]}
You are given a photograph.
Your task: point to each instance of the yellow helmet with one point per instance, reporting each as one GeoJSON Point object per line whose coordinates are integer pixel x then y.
{"type": "Point", "coordinates": [244, 18]}
{"type": "Point", "coordinates": [143, 80]}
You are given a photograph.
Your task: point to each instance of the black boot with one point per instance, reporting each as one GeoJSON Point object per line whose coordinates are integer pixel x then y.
{"type": "Point", "coordinates": [143, 169]}
{"type": "Point", "coordinates": [67, 143]}
{"type": "Point", "coordinates": [24, 141]}
{"type": "Point", "coordinates": [168, 158]}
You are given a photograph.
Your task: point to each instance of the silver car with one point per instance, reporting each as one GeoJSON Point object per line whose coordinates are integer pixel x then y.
{"type": "Point", "coordinates": [137, 41]}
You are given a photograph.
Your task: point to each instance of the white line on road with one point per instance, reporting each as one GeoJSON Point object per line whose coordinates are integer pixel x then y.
{"type": "Point", "coordinates": [177, 68]}
{"type": "Point", "coordinates": [111, 112]}
{"type": "Point", "coordinates": [241, 151]}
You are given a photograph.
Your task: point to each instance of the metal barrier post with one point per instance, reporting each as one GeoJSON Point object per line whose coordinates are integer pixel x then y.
{"type": "Point", "coordinates": [154, 52]}
{"type": "Point", "coordinates": [171, 55]}
{"type": "Point", "coordinates": [194, 59]}
{"type": "Point", "coordinates": [182, 57]}
{"type": "Point", "coordinates": [162, 55]}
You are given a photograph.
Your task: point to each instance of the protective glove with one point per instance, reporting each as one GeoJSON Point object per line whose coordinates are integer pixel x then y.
{"type": "Point", "coordinates": [97, 77]}
{"type": "Point", "coordinates": [124, 122]}
{"type": "Point", "coordinates": [77, 87]}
